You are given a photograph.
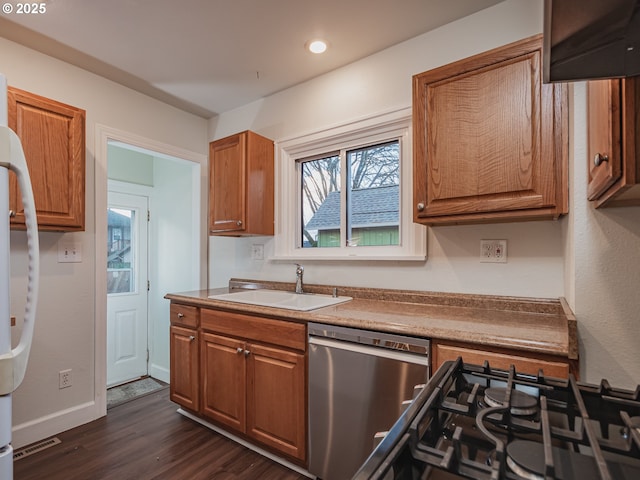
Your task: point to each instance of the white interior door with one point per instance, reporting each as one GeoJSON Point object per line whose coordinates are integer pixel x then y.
{"type": "Point", "coordinates": [127, 287]}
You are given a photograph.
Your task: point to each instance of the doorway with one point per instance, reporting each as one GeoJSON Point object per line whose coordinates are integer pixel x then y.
{"type": "Point", "coordinates": [173, 180]}
{"type": "Point", "coordinates": [127, 287]}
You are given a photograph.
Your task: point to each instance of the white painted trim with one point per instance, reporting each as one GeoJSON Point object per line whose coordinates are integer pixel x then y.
{"type": "Point", "coordinates": [49, 425]}
{"type": "Point", "coordinates": [249, 445]}
{"type": "Point", "coordinates": [367, 130]}
{"type": "Point", "coordinates": [161, 373]}
{"type": "Point", "coordinates": [105, 135]}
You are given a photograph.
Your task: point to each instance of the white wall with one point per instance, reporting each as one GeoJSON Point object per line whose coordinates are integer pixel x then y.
{"type": "Point", "coordinates": [606, 263]}
{"type": "Point", "coordinates": [591, 257]}
{"type": "Point", "coordinates": [380, 83]}
{"type": "Point", "coordinates": [175, 266]}
{"type": "Point", "coordinates": [64, 334]}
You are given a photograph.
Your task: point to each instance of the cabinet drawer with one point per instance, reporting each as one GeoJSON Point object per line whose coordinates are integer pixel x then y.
{"type": "Point", "coordinates": [497, 359]}
{"type": "Point", "coordinates": [265, 330]}
{"type": "Point", "coordinates": [185, 315]}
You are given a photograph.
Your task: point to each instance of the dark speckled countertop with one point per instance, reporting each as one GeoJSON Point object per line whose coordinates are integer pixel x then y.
{"type": "Point", "coordinates": [530, 324]}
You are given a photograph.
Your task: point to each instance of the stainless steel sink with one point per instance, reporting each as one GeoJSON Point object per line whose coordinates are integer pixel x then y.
{"type": "Point", "coordinates": [281, 299]}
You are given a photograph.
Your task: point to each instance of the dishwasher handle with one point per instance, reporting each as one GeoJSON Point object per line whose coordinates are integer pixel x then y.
{"type": "Point", "coordinates": [371, 338]}
{"type": "Point", "coordinates": [358, 348]}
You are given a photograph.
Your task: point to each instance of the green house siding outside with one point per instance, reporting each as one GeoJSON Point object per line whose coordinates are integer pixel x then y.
{"type": "Point", "coordinates": [366, 236]}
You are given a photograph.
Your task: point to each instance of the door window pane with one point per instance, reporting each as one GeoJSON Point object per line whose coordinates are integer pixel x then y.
{"type": "Point", "coordinates": [120, 252]}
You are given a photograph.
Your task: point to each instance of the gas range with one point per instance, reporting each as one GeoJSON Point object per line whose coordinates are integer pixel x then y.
{"type": "Point", "coordinates": [476, 422]}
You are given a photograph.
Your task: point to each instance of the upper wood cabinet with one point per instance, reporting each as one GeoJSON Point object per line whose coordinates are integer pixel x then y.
{"type": "Point", "coordinates": [614, 141]}
{"type": "Point", "coordinates": [490, 139]}
{"type": "Point", "coordinates": [241, 185]}
{"type": "Point", "coordinates": [53, 140]}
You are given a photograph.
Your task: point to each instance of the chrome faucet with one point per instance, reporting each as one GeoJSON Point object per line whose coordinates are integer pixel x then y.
{"type": "Point", "coordinates": [299, 273]}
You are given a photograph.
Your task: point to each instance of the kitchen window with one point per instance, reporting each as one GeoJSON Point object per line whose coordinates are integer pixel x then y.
{"type": "Point", "coordinates": [345, 193]}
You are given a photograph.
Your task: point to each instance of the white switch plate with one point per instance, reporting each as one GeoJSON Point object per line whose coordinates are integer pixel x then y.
{"type": "Point", "coordinates": [493, 251]}
{"type": "Point", "coordinates": [257, 251]}
{"type": "Point", "coordinates": [69, 252]}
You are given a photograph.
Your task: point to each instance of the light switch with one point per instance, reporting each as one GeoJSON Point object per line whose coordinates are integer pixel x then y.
{"type": "Point", "coordinates": [69, 252]}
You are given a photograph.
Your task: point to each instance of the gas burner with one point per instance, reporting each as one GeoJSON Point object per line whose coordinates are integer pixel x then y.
{"type": "Point", "coordinates": [522, 404]}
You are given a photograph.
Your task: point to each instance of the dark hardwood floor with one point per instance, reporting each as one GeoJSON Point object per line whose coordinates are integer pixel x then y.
{"type": "Point", "coordinates": [147, 439]}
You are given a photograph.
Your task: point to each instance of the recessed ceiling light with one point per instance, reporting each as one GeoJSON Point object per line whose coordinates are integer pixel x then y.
{"type": "Point", "coordinates": [317, 46]}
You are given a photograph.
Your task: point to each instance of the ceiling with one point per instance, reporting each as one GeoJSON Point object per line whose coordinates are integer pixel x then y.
{"type": "Point", "coordinates": [211, 56]}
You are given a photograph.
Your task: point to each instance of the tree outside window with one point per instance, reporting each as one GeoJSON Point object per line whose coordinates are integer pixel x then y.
{"type": "Point", "coordinates": [371, 197]}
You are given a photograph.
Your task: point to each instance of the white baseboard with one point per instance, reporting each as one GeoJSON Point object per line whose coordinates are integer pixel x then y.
{"type": "Point", "coordinates": [161, 373]}
{"type": "Point", "coordinates": [50, 425]}
{"type": "Point", "coordinates": [244, 443]}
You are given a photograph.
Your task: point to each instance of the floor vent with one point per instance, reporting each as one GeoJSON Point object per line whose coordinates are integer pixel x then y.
{"type": "Point", "coordinates": [35, 448]}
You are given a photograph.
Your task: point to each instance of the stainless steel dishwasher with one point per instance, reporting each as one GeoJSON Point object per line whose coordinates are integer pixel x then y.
{"type": "Point", "coordinates": [358, 380]}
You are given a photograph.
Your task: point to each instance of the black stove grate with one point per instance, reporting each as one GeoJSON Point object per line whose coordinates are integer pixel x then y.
{"type": "Point", "coordinates": [578, 430]}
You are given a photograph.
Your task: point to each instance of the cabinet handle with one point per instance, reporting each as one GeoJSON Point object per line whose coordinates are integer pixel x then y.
{"type": "Point", "coordinates": [239, 349]}
{"type": "Point", "coordinates": [246, 353]}
{"type": "Point", "coordinates": [180, 315]}
{"type": "Point", "coordinates": [420, 207]}
{"type": "Point", "coordinates": [239, 223]}
{"type": "Point", "coordinates": [599, 159]}
{"type": "Point", "coordinates": [191, 338]}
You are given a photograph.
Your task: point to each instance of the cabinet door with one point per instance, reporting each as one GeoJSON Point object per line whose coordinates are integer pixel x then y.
{"type": "Point", "coordinates": [603, 116]}
{"type": "Point", "coordinates": [227, 195]}
{"type": "Point", "coordinates": [223, 380]}
{"type": "Point", "coordinates": [488, 138]}
{"type": "Point", "coordinates": [614, 142]}
{"type": "Point", "coordinates": [276, 399]}
{"type": "Point", "coordinates": [52, 136]}
{"type": "Point", "coordinates": [184, 370]}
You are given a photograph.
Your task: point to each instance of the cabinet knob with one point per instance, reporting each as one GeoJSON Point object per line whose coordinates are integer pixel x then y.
{"type": "Point", "coordinates": [239, 350]}
{"type": "Point", "coordinates": [246, 353]}
{"type": "Point", "coordinates": [180, 315]}
{"type": "Point", "coordinates": [239, 223]}
{"type": "Point", "coordinates": [600, 158]}
{"type": "Point", "coordinates": [191, 338]}
{"type": "Point", "coordinates": [420, 207]}
{"type": "Point", "coordinates": [12, 214]}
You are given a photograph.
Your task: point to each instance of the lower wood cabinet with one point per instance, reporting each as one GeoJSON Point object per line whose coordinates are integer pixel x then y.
{"type": "Point", "coordinates": [244, 373]}
{"type": "Point", "coordinates": [502, 358]}
{"type": "Point", "coordinates": [184, 347]}
{"type": "Point", "coordinates": [276, 399]}
{"type": "Point", "coordinates": [185, 360]}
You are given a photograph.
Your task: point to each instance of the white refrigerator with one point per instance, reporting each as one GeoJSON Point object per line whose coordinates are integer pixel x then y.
{"type": "Point", "coordinates": [13, 362]}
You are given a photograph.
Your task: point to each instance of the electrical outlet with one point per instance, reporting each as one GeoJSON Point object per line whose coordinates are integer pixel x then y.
{"type": "Point", "coordinates": [64, 378]}
{"type": "Point", "coordinates": [493, 251]}
{"type": "Point", "coordinates": [69, 252]}
{"type": "Point", "coordinates": [257, 251]}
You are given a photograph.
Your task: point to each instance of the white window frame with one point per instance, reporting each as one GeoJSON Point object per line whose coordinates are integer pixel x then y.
{"type": "Point", "coordinates": [363, 132]}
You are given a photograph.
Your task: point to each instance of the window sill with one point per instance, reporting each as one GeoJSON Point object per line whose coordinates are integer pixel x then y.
{"type": "Point", "coordinates": [348, 258]}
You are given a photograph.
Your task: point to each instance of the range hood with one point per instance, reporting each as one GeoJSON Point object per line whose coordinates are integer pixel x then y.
{"type": "Point", "coordinates": [589, 39]}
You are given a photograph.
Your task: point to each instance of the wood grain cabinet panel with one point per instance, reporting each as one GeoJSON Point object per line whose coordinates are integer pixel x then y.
{"type": "Point", "coordinates": [241, 185]}
{"type": "Point", "coordinates": [442, 351]}
{"type": "Point", "coordinates": [224, 380]}
{"type": "Point", "coordinates": [489, 139]}
{"type": "Point", "coordinates": [53, 139]}
{"type": "Point", "coordinates": [251, 377]}
{"type": "Point", "coordinates": [276, 399]}
{"type": "Point", "coordinates": [613, 113]}
{"type": "Point", "coordinates": [184, 380]}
